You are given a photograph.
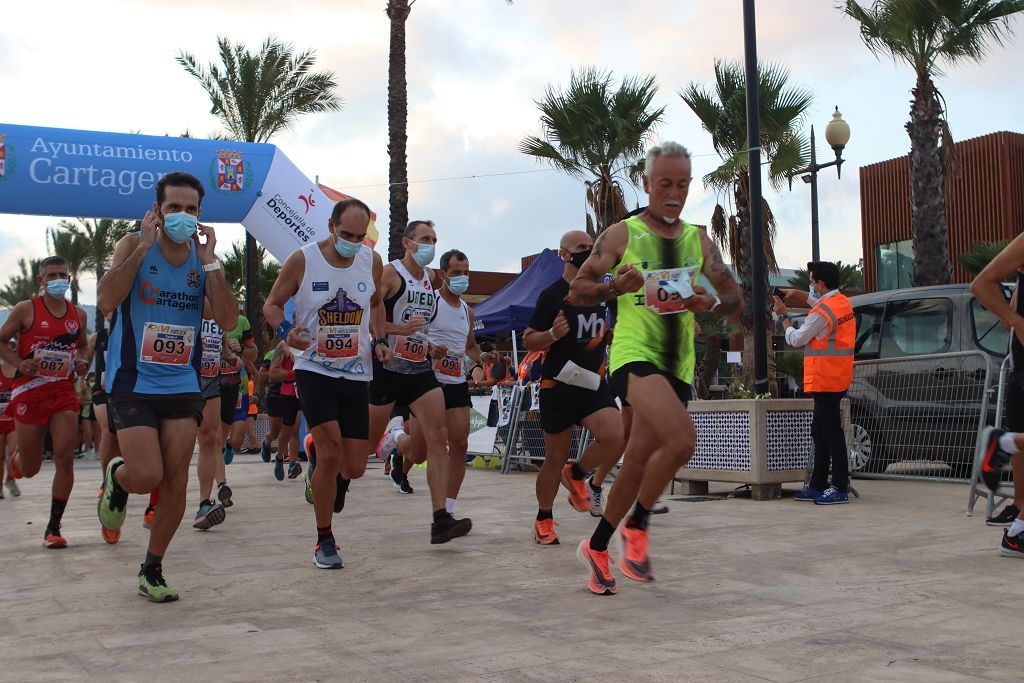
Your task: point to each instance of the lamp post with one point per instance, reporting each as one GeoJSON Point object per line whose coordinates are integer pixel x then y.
{"type": "Point", "coordinates": [837, 134]}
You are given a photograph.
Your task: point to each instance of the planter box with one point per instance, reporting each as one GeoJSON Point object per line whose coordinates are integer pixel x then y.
{"type": "Point", "coordinates": [761, 442]}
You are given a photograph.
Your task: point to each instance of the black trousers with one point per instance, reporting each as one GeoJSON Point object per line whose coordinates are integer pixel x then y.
{"type": "Point", "coordinates": [829, 442]}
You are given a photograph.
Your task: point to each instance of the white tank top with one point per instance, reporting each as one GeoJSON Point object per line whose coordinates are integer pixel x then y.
{"type": "Point", "coordinates": [416, 297]}
{"type": "Point", "coordinates": [213, 343]}
{"type": "Point", "coordinates": [450, 327]}
{"type": "Point", "coordinates": [334, 305]}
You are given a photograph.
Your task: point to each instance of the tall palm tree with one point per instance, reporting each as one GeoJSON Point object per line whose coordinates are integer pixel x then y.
{"type": "Point", "coordinates": [256, 95]}
{"type": "Point", "coordinates": [927, 34]}
{"type": "Point", "coordinates": [723, 114]}
{"type": "Point", "coordinates": [73, 248]}
{"type": "Point", "coordinates": [980, 255]}
{"type": "Point", "coordinates": [234, 269]}
{"type": "Point", "coordinates": [22, 285]}
{"type": "Point", "coordinates": [850, 277]}
{"type": "Point", "coordinates": [597, 133]}
{"type": "Point", "coordinates": [101, 236]}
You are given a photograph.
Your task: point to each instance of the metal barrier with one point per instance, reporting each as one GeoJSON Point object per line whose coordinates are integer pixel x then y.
{"type": "Point", "coordinates": [522, 442]}
{"type": "Point", "coordinates": [1005, 490]}
{"type": "Point", "coordinates": [919, 417]}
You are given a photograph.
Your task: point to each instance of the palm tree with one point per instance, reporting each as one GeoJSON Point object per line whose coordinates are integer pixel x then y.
{"type": "Point", "coordinates": [22, 285]}
{"type": "Point", "coordinates": [101, 236]}
{"type": "Point", "coordinates": [723, 114]}
{"type": "Point", "coordinates": [927, 34]}
{"type": "Point", "coordinates": [256, 95]}
{"type": "Point", "coordinates": [597, 133]}
{"type": "Point", "coordinates": [980, 255]}
{"type": "Point", "coordinates": [234, 269]}
{"type": "Point", "coordinates": [851, 277]}
{"type": "Point", "coordinates": [73, 248]}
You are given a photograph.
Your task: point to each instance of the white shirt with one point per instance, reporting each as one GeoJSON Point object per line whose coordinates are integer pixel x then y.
{"type": "Point", "coordinates": [815, 325]}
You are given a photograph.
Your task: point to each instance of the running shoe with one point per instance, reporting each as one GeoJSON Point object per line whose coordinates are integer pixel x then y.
{"type": "Point", "coordinates": [153, 585]}
{"type": "Point", "coordinates": [12, 488]}
{"type": "Point", "coordinates": [387, 466]}
{"type": "Point", "coordinates": [449, 528]}
{"type": "Point", "coordinates": [294, 469]}
{"type": "Point", "coordinates": [111, 536]}
{"type": "Point", "coordinates": [12, 467]}
{"type": "Point", "coordinates": [279, 468]}
{"type": "Point", "coordinates": [210, 514]}
{"type": "Point", "coordinates": [53, 539]}
{"type": "Point", "coordinates": [597, 562]}
{"type": "Point", "coordinates": [544, 531]}
{"type": "Point", "coordinates": [993, 459]}
{"type": "Point", "coordinates": [832, 496]}
{"type": "Point", "coordinates": [633, 558]}
{"type": "Point", "coordinates": [224, 494]}
{"type": "Point", "coordinates": [1, 492]}
{"type": "Point", "coordinates": [579, 492]}
{"type": "Point", "coordinates": [309, 489]}
{"type": "Point", "coordinates": [1012, 546]}
{"type": "Point", "coordinates": [341, 488]}
{"type": "Point", "coordinates": [659, 508]}
{"type": "Point", "coordinates": [325, 555]}
{"type": "Point", "coordinates": [806, 494]}
{"type": "Point", "coordinates": [147, 517]}
{"type": "Point", "coordinates": [596, 500]}
{"type": "Point", "coordinates": [1004, 518]}
{"type": "Point", "coordinates": [389, 442]}
{"type": "Point", "coordinates": [265, 451]}
{"type": "Point", "coordinates": [404, 486]}
{"type": "Point", "coordinates": [229, 454]}
{"type": "Point", "coordinates": [110, 508]}
{"type": "Point", "coordinates": [397, 469]}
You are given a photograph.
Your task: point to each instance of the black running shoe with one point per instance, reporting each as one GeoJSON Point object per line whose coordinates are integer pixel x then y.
{"type": "Point", "coordinates": [404, 486]}
{"type": "Point", "coordinates": [448, 528]}
{"type": "Point", "coordinates": [1012, 546]}
{"type": "Point", "coordinates": [1004, 518]}
{"type": "Point", "coordinates": [397, 470]}
{"type": "Point", "coordinates": [339, 493]}
{"type": "Point", "coordinates": [294, 470]}
{"type": "Point", "coordinates": [993, 459]}
{"type": "Point", "coordinates": [224, 494]}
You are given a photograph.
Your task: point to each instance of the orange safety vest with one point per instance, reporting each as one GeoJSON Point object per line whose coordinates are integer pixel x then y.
{"type": "Point", "coordinates": [828, 362]}
{"type": "Point", "coordinates": [527, 364]}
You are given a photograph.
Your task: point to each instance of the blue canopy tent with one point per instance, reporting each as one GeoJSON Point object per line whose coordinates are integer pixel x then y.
{"type": "Point", "coordinates": [510, 309]}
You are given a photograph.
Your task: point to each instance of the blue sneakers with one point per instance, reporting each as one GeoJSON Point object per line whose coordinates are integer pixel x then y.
{"type": "Point", "coordinates": [806, 494]}
{"type": "Point", "coordinates": [832, 496]}
{"type": "Point", "coordinates": [229, 454]}
{"type": "Point", "coordinates": [279, 468]}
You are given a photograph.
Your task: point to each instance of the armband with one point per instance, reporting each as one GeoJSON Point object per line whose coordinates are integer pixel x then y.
{"type": "Point", "coordinates": [283, 329]}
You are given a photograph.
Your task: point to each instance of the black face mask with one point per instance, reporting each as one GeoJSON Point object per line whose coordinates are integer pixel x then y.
{"type": "Point", "coordinates": [579, 259]}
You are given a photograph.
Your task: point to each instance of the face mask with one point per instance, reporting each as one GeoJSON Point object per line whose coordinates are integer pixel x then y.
{"type": "Point", "coordinates": [180, 226]}
{"type": "Point", "coordinates": [345, 248]}
{"type": "Point", "coordinates": [579, 259]}
{"type": "Point", "coordinates": [424, 253]}
{"type": "Point", "coordinates": [57, 288]}
{"type": "Point", "coordinates": [459, 284]}
{"type": "Point", "coordinates": [813, 293]}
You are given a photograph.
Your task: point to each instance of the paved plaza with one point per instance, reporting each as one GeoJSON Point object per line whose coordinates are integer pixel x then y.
{"type": "Point", "coordinates": [897, 586]}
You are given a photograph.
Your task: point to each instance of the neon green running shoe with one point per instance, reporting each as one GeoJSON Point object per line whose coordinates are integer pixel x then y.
{"type": "Point", "coordinates": [309, 490]}
{"type": "Point", "coordinates": [111, 506]}
{"type": "Point", "coordinates": [153, 586]}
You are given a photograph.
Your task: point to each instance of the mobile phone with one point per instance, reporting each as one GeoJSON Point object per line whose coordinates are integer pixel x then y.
{"type": "Point", "coordinates": [778, 292]}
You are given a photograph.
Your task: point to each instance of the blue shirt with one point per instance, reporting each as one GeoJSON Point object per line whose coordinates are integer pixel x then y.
{"type": "Point", "coordinates": [155, 342]}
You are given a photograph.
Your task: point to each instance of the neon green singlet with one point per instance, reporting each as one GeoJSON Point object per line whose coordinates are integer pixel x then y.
{"type": "Point", "coordinates": [652, 325]}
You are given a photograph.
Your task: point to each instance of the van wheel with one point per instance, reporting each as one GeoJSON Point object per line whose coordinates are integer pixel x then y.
{"type": "Point", "coordinates": [860, 450]}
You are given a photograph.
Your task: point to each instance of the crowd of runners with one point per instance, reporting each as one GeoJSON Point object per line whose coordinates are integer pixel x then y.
{"type": "Point", "coordinates": [374, 357]}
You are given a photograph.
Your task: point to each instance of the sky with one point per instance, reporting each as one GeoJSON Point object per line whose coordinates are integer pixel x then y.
{"type": "Point", "coordinates": [475, 69]}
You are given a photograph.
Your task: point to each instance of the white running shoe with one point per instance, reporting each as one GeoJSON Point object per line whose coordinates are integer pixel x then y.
{"type": "Point", "coordinates": [12, 487]}
{"type": "Point", "coordinates": [390, 441]}
{"type": "Point", "coordinates": [596, 500]}
{"type": "Point", "coordinates": [659, 508]}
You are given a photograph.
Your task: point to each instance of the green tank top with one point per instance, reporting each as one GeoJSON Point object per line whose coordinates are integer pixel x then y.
{"type": "Point", "coordinates": [652, 325]}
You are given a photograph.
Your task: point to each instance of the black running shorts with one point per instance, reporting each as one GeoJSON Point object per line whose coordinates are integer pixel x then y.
{"type": "Point", "coordinates": [325, 398]}
{"type": "Point", "coordinates": [456, 396]}
{"type": "Point", "coordinates": [149, 410]}
{"type": "Point", "coordinates": [284, 407]}
{"type": "Point", "coordinates": [620, 381]}
{"type": "Point", "coordinates": [390, 387]}
{"type": "Point", "coordinates": [563, 405]}
{"type": "Point", "coordinates": [228, 400]}
{"type": "Point", "coordinates": [209, 387]}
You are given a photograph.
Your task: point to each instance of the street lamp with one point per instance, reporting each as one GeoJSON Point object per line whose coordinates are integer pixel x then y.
{"type": "Point", "coordinates": [837, 134]}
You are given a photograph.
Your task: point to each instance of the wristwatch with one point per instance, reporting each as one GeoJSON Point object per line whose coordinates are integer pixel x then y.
{"type": "Point", "coordinates": [210, 267]}
{"type": "Point", "coordinates": [718, 302]}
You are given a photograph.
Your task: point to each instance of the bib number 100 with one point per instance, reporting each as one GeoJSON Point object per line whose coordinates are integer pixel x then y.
{"type": "Point", "coordinates": [412, 349]}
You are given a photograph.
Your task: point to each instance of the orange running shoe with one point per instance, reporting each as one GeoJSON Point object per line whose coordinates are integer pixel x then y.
{"type": "Point", "coordinates": [579, 495]}
{"type": "Point", "coordinates": [111, 537]}
{"type": "Point", "coordinates": [544, 531]}
{"type": "Point", "coordinates": [53, 539]}
{"type": "Point", "coordinates": [598, 563]}
{"type": "Point", "coordinates": [634, 562]}
{"type": "Point", "coordinates": [147, 518]}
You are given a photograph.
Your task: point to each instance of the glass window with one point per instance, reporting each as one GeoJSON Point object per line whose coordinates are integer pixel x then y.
{"type": "Point", "coordinates": [869, 330]}
{"type": "Point", "coordinates": [917, 327]}
{"type": "Point", "coordinates": [989, 333]}
{"type": "Point", "coordinates": [894, 264]}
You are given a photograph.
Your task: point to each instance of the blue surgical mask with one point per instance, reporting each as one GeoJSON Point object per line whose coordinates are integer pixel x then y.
{"type": "Point", "coordinates": [345, 248]}
{"type": "Point", "coordinates": [57, 288]}
{"type": "Point", "coordinates": [180, 226]}
{"type": "Point", "coordinates": [458, 285]}
{"type": "Point", "coordinates": [812, 292]}
{"type": "Point", "coordinates": [424, 253]}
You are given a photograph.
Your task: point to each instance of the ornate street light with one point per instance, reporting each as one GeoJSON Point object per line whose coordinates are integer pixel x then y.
{"type": "Point", "coordinates": [837, 134]}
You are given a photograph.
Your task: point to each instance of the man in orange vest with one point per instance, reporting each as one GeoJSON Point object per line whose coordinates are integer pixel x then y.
{"type": "Point", "coordinates": [829, 331]}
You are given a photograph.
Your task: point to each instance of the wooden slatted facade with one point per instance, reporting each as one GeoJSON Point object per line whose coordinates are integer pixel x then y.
{"type": "Point", "coordinates": [984, 203]}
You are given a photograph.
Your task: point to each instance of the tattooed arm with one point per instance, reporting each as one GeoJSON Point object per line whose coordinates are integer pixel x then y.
{"type": "Point", "coordinates": [721, 277]}
{"type": "Point", "coordinates": [589, 287]}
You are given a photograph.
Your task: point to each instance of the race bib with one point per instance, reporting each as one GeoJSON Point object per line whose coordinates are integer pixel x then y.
{"type": "Point", "coordinates": [337, 341]}
{"type": "Point", "coordinates": [412, 348]}
{"type": "Point", "coordinates": [209, 366]}
{"type": "Point", "coordinates": [662, 289]}
{"type": "Point", "coordinates": [450, 365]}
{"type": "Point", "coordinates": [164, 344]}
{"type": "Point", "coordinates": [53, 363]}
